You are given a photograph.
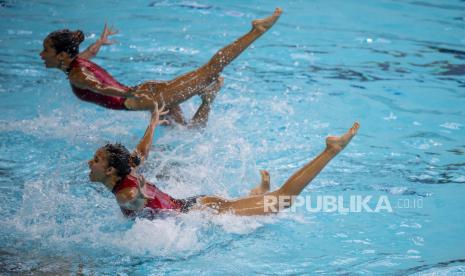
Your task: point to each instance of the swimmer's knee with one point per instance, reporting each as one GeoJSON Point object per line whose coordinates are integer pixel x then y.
{"type": "Point", "coordinates": [212, 69]}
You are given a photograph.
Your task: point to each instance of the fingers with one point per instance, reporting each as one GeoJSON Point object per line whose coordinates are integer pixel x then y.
{"type": "Point", "coordinates": [163, 112]}
{"type": "Point", "coordinates": [143, 95]}
{"type": "Point", "coordinates": [151, 97]}
{"type": "Point", "coordinates": [155, 105]}
{"type": "Point", "coordinates": [107, 31]}
{"type": "Point", "coordinates": [164, 122]}
{"type": "Point", "coordinates": [112, 30]}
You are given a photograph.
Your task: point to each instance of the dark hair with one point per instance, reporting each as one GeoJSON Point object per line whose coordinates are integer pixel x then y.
{"type": "Point", "coordinates": [121, 159]}
{"type": "Point", "coordinates": [66, 41]}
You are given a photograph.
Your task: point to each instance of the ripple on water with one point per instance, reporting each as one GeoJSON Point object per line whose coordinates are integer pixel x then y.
{"type": "Point", "coordinates": [281, 98]}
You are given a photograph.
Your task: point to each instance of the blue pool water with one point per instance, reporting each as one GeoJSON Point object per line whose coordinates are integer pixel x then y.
{"type": "Point", "coordinates": [396, 66]}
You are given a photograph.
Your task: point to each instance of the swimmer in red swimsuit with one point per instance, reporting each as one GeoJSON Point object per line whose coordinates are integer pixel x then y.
{"type": "Point", "coordinates": [115, 167]}
{"type": "Point", "coordinates": [92, 83]}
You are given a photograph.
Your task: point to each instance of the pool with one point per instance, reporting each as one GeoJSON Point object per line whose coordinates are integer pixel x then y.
{"type": "Point", "coordinates": [396, 66]}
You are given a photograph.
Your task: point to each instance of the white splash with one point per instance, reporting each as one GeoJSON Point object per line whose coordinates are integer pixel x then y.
{"type": "Point", "coordinates": [391, 117]}
{"type": "Point", "coordinates": [451, 125]}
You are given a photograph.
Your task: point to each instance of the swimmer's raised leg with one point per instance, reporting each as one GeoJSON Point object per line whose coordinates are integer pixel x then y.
{"type": "Point", "coordinates": [182, 88]}
{"type": "Point", "coordinates": [255, 205]}
{"type": "Point", "coordinates": [299, 180]}
{"type": "Point", "coordinates": [264, 186]}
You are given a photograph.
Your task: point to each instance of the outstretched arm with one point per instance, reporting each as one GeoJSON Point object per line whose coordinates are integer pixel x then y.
{"type": "Point", "coordinates": [93, 49]}
{"type": "Point", "coordinates": [143, 148]}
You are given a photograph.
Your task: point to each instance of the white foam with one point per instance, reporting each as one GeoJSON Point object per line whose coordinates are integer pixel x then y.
{"type": "Point", "coordinates": [305, 56]}
{"type": "Point", "coordinates": [74, 125]}
{"type": "Point", "coordinates": [281, 107]}
{"type": "Point", "coordinates": [344, 261]}
{"type": "Point", "coordinates": [451, 125]}
{"type": "Point", "coordinates": [443, 271]}
{"type": "Point", "coordinates": [391, 117]}
{"type": "Point", "coordinates": [397, 190]}
{"type": "Point", "coordinates": [166, 236]}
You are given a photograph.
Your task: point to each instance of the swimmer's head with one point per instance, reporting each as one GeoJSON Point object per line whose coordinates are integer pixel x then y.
{"type": "Point", "coordinates": [60, 45]}
{"type": "Point", "coordinates": [111, 160]}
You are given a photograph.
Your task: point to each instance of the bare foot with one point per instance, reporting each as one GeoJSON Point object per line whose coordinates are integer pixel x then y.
{"type": "Point", "coordinates": [264, 24]}
{"type": "Point", "coordinates": [264, 185]}
{"type": "Point", "coordinates": [212, 90]}
{"type": "Point", "coordinates": [336, 143]}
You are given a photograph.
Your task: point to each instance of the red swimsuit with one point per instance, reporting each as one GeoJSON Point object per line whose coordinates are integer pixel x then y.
{"type": "Point", "coordinates": [157, 200]}
{"type": "Point", "coordinates": [104, 78]}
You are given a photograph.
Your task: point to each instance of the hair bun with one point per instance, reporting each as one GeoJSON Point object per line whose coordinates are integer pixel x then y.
{"type": "Point", "coordinates": [134, 160]}
{"type": "Point", "coordinates": [78, 36]}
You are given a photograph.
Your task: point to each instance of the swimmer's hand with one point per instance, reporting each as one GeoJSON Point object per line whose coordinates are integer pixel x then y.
{"type": "Point", "coordinates": [107, 31]}
{"type": "Point", "coordinates": [93, 49]}
{"type": "Point", "coordinates": [143, 93]}
{"type": "Point", "coordinates": [156, 113]}
{"type": "Point", "coordinates": [143, 148]}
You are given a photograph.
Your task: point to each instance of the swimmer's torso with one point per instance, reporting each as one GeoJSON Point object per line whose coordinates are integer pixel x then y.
{"type": "Point", "coordinates": [152, 199]}
{"type": "Point", "coordinates": [98, 73]}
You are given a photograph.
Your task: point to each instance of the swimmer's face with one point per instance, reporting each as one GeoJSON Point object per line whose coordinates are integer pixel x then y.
{"type": "Point", "coordinates": [99, 169]}
{"type": "Point", "coordinates": [49, 55]}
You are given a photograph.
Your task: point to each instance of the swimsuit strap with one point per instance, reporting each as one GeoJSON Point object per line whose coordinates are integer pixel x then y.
{"type": "Point", "coordinates": [127, 182]}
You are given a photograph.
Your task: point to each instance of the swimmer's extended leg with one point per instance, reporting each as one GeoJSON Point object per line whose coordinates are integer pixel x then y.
{"type": "Point", "coordinates": [299, 180]}
{"type": "Point", "coordinates": [211, 202]}
{"type": "Point", "coordinates": [264, 186]}
{"type": "Point", "coordinates": [255, 205]}
{"type": "Point", "coordinates": [190, 84]}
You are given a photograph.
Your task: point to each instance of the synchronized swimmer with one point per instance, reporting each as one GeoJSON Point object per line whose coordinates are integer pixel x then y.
{"type": "Point", "coordinates": [115, 167]}
{"type": "Point", "coordinates": [92, 83]}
